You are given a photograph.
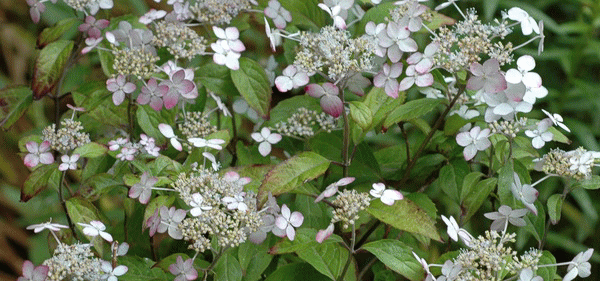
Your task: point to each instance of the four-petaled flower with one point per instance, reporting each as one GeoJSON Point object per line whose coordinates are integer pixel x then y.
{"type": "Point", "coordinates": [387, 196]}
{"type": "Point", "coordinates": [579, 266]}
{"type": "Point", "coordinates": [473, 141]}
{"type": "Point", "coordinates": [487, 77]}
{"type": "Point", "coordinates": [525, 64]}
{"type": "Point", "coordinates": [332, 189]}
{"type": "Point", "coordinates": [557, 120]}
{"type": "Point", "coordinates": [93, 26]}
{"type": "Point", "coordinates": [143, 189]}
{"type": "Point", "coordinates": [278, 14]}
{"type": "Point", "coordinates": [528, 24]}
{"type": "Point", "coordinates": [119, 87]}
{"type": "Point", "coordinates": [540, 136]}
{"type": "Point", "coordinates": [455, 232]}
{"type": "Point", "coordinates": [328, 97]}
{"type": "Point", "coordinates": [152, 93]}
{"type": "Point", "coordinates": [68, 162]}
{"type": "Point", "coordinates": [212, 143]}
{"type": "Point", "coordinates": [236, 202]}
{"type": "Point", "coordinates": [286, 222]}
{"type": "Point", "coordinates": [291, 78]}
{"type": "Point", "coordinates": [169, 221]}
{"type": "Point", "coordinates": [167, 131]}
{"type": "Point", "coordinates": [505, 215]}
{"type": "Point", "coordinates": [46, 225]}
{"type": "Point", "coordinates": [266, 138]}
{"type": "Point", "coordinates": [525, 193]}
{"type": "Point", "coordinates": [33, 273]}
{"type": "Point", "coordinates": [110, 273]}
{"type": "Point", "coordinates": [184, 270]}
{"type": "Point", "coordinates": [387, 79]}
{"type": "Point", "coordinates": [334, 13]}
{"type": "Point", "coordinates": [528, 275]}
{"type": "Point", "coordinates": [95, 228]}
{"type": "Point", "coordinates": [197, 205]}
{"type": "Point", "coordinates": [38, 154]}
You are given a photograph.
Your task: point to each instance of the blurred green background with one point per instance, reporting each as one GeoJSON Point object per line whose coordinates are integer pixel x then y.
{"type": "Point", "coordinates": [569, 67]}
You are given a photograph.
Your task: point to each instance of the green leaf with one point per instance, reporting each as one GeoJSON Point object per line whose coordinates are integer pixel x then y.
{"type": "Point", "coordinates": [547, 273]}
{"type": "Point", "coordinates": [166, 262]}
{"type": "Point", "coordinates": [254, 259]}
{"type": "Point", "coordinates": [305, 237]}
{"type": "Point", "coordinates": [141, 269]}
{"type": "Point", "coordinates": [555, 207]}
{"type": "Point", "coordinates": [98, 104]}
{"type": "Point", "coordinates": [305, 13]}
{"type": "Point", "coordinates": [377, 14]}
{"type": "Point", "coordinates": [397, 256]}
{"type": "Point", "coordinates": [51, 34]}
{"type": "Point", "coordinates": [228, 269]}
{"type": "Point", "coordinates": [216, 78]}
{"type": "Point", "coordinates": [453, 124]}
{"type": "Point", "coordinates": [315, 215]}
{"type": "Point", "coordinates": [296, 272]}
{"type": "Point", "coordinates": [536, 224]}
{"type": "Point", "coordinates": [49, 67]}
{"type": "Point", "coordinates": [292, 173]}
{"type": "Point", "coordinates": [477, 196]}
{"type": "Point", "coordinates": [37, 181]}
{"type": "Point", "coordinates": [447, 181]}
{"type": "Point", "coordinates": [253, 84]}
{"type": "Point", "coordinates": [361, 114]}
{"type": "Point", "coordinates": [83, 211]}
{"type": "Point", "coordinates": [411, 110]}
{"type": "Point", "coordinates": [381, 104]}
{"type": "Point", "coordinates": [284, 109]}
{"type": "Point", "coordinates": [405, 215]}
{"type": "Point", "coordinates": [17, 100]}
{"type": "Point", "coordinates": [91, 150]}
{"type": "Point", "coordinates": [257, 173]}
{"type": "Point", "coordinates": [505, 180]}
{"type": "Point", "coordinates": [102, 184]}
{"type": "Point", "coordinates": [329, 259]}
{"type": "Point", "coordinates": [156, 203]}
{"type": "Point", "coordinates": [468, 183]}
{"type": "Point", "coordinates": [591, 183]}
{"type": "Point", "coordinates": [148, 119]}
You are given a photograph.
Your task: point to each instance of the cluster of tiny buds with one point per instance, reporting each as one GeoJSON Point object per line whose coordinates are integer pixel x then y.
{"type": "Point", "coordinates": [218, 12]}
{"type": "Point", "coordinates": [180, 40]}
{"type": "Point", "coordinates": [136, 62]}
{"type": "Point", "coordinates": [576, 164]}
{"type": "Point", "coordinates": [486, 257]}
{"type": "Point", "coordinates": [195, 125]}
{"type": "Point", "coordinates": [73, 262]}
{"type": "Point", "coordinates": [467, 40]}
{"type": "Point", "coordinates": [509, 128]}
{"type": "Point", "coordinates": [347, 206]}
{"type": "Point", "coordinates": [68, 137]}
{"type": "Point", "coordinates": [334, 53]}
{"type": "Point", "coordinates": [303, 122]}
{"type": "Point", "coordinates": [401, 11]}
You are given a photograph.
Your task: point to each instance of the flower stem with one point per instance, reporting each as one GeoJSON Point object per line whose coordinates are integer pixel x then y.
{"type": "Point", "coordinates": [64, 204]}
{"type": "Point", "coordinates": [350, 254]}
{"type": "Point", "coordinates": [213, 263]}
{"type": "Point", "coordinates": [436, 125]}
{"type": "Point", "coordinates": [346, 141]}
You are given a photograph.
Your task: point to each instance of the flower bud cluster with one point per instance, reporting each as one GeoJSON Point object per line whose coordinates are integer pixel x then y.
{"type": "Point", "coordinates": [180, 40]}
{"type": "Point", "coordinates": [195, 125]}
{"type": "Point", "coordinates": [68, 137]}
{"type": "Point", "coordinates": [334, 53]}
{"type": "Point", "coordinates": [347, 206]}
{"type": "Point", "coordinates": [575, 164]}
{"type": "Point", "coordinates": [218, 12]}
{"type": "Point", "coordinates": [136, 62]}
{"type": "Point", "coordinates": [304, 122]}
{"type": "Point", "coordinates": [73, 262]}
{"type": "Point", "coordinates": [488, 255]}
{"type": "Point", "coordinates": [229, 213]}
{"type": "Point", "coordinates": [508, 128]}
{"type": "Point", "coordinates": [468, 40]}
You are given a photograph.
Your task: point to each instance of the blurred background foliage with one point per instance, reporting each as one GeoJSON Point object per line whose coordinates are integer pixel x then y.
{"type": "Point", "coordinates": [569, 66]}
